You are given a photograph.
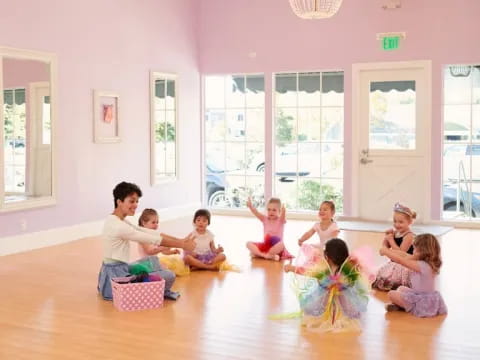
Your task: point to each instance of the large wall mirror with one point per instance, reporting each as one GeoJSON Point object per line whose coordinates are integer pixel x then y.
{"type": "Point", "coordinates": [27, 174]}
{"type": "Point", "coordinates": [164, 125]}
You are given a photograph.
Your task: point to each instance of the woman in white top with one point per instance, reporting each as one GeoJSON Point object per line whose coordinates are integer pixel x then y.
{"type": "Point", "coordinates": [118, 232]}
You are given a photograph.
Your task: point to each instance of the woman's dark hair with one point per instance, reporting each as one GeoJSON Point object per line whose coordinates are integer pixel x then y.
{"type": "Point", "coordinates": [202, 212]}
{"type": "Point", "coordinates": [337, 251]}
{"type": "Point", "coordinates": [123, 190]}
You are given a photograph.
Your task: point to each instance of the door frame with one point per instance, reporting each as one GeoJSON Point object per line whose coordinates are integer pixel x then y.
{"type": "Point", "coordinates": [357, 69]}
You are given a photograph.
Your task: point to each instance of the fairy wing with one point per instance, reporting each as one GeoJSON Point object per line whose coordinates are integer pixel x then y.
{"type": "Point", "coordinates": [311, 269]}
{"type": "Point", "coordinates": [352, 297]}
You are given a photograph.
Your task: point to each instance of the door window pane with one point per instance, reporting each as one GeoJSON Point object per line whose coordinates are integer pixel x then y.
{"type": "Point", "coordinates": [392, 112]}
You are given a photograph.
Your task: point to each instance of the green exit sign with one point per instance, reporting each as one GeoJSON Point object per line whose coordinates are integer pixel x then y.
{"type": "Point", "coordinates": [390, 42]}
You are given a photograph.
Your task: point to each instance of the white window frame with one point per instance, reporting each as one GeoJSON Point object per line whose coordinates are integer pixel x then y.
{"type": "Point", "coordinates": [51, 60]}
{"type": "Point", "coordinates": [300, 212]}
{"type": "Point", "coordinates": [156, 75]}
{"type": "Point", "coordinates": [469, 222]}
{"type": "Point", "coordinates": [231, 210]}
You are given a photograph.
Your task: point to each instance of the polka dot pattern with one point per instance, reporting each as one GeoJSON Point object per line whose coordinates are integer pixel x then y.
{"type": "Point", "coordinates": [138, 296]}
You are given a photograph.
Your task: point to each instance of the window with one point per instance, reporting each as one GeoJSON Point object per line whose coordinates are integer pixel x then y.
{"type": "Point", "coordinates": [392, 115]}
{"type": "Point", "coordinates": [234, 140]}
{"type": "Point", "coordinates": [14, 111]}
{"type": "Point", "coordinates": [461, 137]}
{"type": "Point", "coordinates": [309, 122]}
{"type": "Point", "coordinates": [164, 127]}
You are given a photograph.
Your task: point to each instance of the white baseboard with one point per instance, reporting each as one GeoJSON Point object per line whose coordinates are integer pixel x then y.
{"type": "Point", "coordinates": [36, 240]}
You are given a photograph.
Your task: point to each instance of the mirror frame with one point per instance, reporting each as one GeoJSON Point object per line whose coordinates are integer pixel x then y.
{"type": "Point", "coordinates": [51, 60]}
{"type": "Point", "coordinates": [154, 75]}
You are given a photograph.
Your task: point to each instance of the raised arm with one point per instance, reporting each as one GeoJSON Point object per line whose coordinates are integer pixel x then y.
{"type": "Point", "coordinates": [401, 258]}
{"type": "Point", "coordinates": [254, 211]}
{"type": "Point", "coordinates": [283, 215]}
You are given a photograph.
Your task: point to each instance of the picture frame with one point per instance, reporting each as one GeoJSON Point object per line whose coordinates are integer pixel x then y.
{"type": "Point", "coordinates": [105, 117]}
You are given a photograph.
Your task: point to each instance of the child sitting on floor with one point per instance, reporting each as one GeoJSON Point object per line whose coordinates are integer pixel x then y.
{"type": "Point", "coordinates": [205, 256]}
{"type": "Point", "coordinates": [272, 247]}
{"type": "Point", "coordinates": [331, 294]}
{"type": "Point", "coordinates": [421, 299]}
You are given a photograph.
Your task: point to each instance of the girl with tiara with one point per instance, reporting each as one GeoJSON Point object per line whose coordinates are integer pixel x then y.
{"type": "Point", "coordinates": [421, 299]}
{"type": "Point", "coordinates": [392, 275]}
{"type": "Point", "coordinates": [330, 290]}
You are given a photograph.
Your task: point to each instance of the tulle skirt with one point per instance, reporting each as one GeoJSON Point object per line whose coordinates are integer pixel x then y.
{"type": "Point", "coordinates": [176, 264]}
{"type": "Point", "coordinates": [423, 304]}
{"type": "Point", "coordinates": [392, 275]}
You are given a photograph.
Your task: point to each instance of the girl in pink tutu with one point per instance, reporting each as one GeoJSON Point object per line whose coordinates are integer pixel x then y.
{"type": "Point", "coordinates": [421, 299]}
{"type": "Point", "coordinates": [272, 247]}
{"type": "Point", "coordinates": [205, 256]}
{"type": "Point", "coordinates": [392, 275]}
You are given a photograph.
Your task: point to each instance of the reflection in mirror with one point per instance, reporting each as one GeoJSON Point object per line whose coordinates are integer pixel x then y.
{"type": "Point", "coordinates": [163, 101]}
{"type": "Point", "coordinates": [27, 126]}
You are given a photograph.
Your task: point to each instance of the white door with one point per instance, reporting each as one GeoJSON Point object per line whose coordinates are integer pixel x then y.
{"type": "Point", "coordinates": [392, 138]}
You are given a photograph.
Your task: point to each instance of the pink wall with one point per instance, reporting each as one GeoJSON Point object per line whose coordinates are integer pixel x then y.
{"type": "Point", "coordinates": [19, 73]}
{"type": "Point", "coordinates": [109, 45]}
{"type": "Point", "coordinates": [443, 31]}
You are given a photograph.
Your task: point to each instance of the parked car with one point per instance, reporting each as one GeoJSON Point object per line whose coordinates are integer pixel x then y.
{"type": "Point", "coordinates": [216, 185]}
{"type": "Point", "coordinates": [450, 200]}
{"type": "Point", "coordinates": [286, 163]}
{"type": "Point", "coordinates": [17, 143]}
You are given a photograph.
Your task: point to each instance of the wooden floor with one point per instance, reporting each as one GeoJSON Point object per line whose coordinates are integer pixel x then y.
{"type": "Point", "coordinates": [49, 308]}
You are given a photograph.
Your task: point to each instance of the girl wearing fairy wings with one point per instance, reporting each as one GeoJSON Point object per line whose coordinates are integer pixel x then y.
{"type": "Point", "coordinates": [330, 290]}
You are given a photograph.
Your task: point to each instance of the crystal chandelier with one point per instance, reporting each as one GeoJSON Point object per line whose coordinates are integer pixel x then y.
{"type": "Point", "coordinates": [315, 9]}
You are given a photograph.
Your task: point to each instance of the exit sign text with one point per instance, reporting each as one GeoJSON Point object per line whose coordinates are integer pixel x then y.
{"type": "Point", "coordinates": [390, 42]}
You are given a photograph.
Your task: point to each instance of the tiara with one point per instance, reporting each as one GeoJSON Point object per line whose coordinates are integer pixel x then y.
{"type": "Point", "coordinates": [402, 209]}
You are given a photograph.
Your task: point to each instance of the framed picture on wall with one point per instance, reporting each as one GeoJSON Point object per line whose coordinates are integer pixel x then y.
{"type": "Point", "coordinates": [105, 117]}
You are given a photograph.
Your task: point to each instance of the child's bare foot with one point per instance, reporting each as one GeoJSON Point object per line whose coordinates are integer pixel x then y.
{"type": "Point", "coordinates": [273, 257]}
